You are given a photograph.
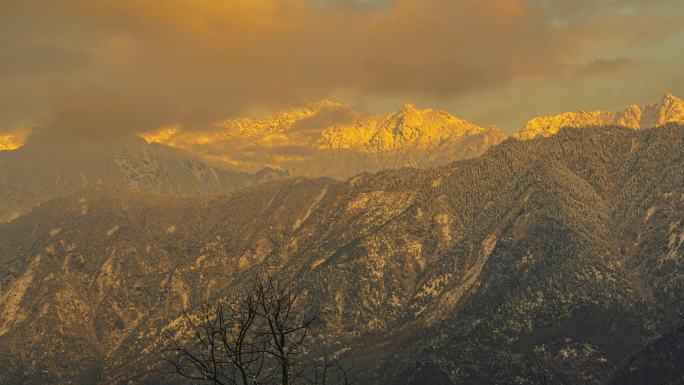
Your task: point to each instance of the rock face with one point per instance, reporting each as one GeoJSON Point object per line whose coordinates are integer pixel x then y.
{"type": "Point", "coordinates": [38, 172]}
{"type": "Point", "coordinates": [331, 139]}
{"type": "Point", "coordinates": [555, 258]}
{"type": "Point", "coordinates": [669, 110]}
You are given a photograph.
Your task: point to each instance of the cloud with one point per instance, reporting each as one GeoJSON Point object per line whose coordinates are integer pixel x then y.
{"type": "Point", "coordinates": [111, 67]}
{"type": "Point", "coordinates": [103, 114]}
{"type": "Point", "coordinates": [313, 124]}
{"type": "Point", "coordinates": [367, 4]}
{"type": "Point", "coordinates": [580, 11]}
{"type": "Point", "coordinates": [603, 66]}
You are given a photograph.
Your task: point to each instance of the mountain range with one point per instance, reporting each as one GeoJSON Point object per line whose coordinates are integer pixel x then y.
{"type": "Point", "coordinates": [323, 139]}
{"type": "Point", "coordinates": [553, 260]}
{"type": "Point", "coordinates": [332, 139]}
{"type": "Point", "coordinates": [670, 109]}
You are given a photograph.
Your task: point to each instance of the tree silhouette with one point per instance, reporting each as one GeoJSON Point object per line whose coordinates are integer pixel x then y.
{"type": "Point", "coordinates": [266, 337]}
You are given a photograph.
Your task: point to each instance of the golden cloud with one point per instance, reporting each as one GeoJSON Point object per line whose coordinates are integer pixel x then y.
{"type": "Point", "coordinates": [115, 65]}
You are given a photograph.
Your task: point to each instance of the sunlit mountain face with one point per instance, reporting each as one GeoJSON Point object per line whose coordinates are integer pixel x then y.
{"type": "Point", "coordinates": [323, 139]}
{"type": "Point", "coordinates": [669, 109]}
{"type": "Point", "coordinates": [11, 141]}
{"type": "Point", "coordinates": [332, 139]}
{"type": "Point", "coordinates": [317, 192]}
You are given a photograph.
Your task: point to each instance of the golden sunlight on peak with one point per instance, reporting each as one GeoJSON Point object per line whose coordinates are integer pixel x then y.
{"type": "Point", "coordinates": [318, 137]}
{"type": "Point", "coordinates": [12, 141]}
{"type": "Point", "coordinates": [161, 135]}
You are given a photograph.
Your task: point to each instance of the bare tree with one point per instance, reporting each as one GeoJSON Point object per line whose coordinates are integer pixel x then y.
{"type": "Point", "coordinates": [267, 337]}
{"type": "Point", "coordinates": [221, 347]}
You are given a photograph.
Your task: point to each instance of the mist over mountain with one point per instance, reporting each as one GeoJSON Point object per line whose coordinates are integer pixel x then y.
{"type": "Point", "coordinates": [332, 139]}
{"type": "Point", "coordinates": [49, 166]}
{"type": "Point", "coordinates": [323, 139]}
{"type": "Point", "coordinates": [557, 258]}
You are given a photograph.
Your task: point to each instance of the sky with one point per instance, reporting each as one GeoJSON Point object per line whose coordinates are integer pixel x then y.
{"type": "Point", "coordinates": [112, 67]}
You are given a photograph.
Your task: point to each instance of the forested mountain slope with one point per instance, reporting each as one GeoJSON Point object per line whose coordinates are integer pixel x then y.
{"type": "Point", "coordinates": [555, 259]}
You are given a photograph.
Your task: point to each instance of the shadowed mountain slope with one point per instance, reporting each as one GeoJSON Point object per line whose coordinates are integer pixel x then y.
{"type": "Point", "coordinates": [659, 362]}
{"type": "Point", "coordinates": [40, 171]}
{"type": "Point", "coordinates": [556, 258]}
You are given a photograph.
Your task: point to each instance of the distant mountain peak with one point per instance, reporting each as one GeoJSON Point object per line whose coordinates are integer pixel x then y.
{"type": "Point", "coordinates": [668, 110]}
{"type": "Point", "coordinates": [328, 138]}
{"type": "Point", "coordinates": [11, 141]}
{"type": "Point", "coordinates": [324, 104]}
{"type": "Point", "coordinates": [408, 107]}
{"type": "Point", "coordinates": [670, 96]}
{"type": "Point", "coordinates": [410, 128]}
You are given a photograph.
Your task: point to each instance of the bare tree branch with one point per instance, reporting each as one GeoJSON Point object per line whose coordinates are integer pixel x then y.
{"type": "Point", "coordinates": [267, 337]}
